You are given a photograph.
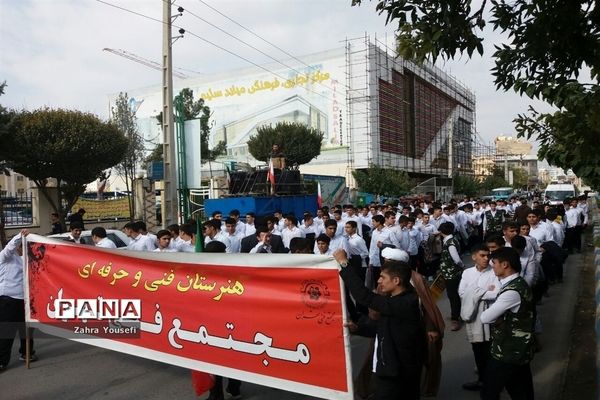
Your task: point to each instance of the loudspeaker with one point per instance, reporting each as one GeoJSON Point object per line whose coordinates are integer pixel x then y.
{"type": "Point", "coordinates": [289, 182]}
{"type": "Point", "coordinates": [236, 181]}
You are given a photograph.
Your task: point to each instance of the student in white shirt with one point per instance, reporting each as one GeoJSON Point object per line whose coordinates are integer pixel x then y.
{"type": "Point", "coordinates": [100, 239]}
{"type": "Point", "coordinates": [322, 243]}
{"type": "Point", "coordinates": [233, 235]}
{"type": "Point", "coordinates": [291, 230]}
{"type": "Point", "coordinates": [138, 241]}
{"type": "Point", "coordinates": [479, 285]}
{"type": "Point", "coordinates": [164, 240]}
{"type": "Point", "coordinates": [212, 231]}
{"type": "Point", "coordinates": [250, 229]}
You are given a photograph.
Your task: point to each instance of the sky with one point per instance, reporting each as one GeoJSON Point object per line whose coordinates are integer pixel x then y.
{"type": "Point", "coordinates": [51, 51]}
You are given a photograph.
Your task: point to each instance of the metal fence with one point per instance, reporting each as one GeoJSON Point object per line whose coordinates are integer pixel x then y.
{"type": "Point", "coordinates": [16, 209]}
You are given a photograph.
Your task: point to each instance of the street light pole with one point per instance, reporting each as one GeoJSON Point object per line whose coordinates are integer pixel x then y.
{"type": "Point", "coordinates": [169, 204]}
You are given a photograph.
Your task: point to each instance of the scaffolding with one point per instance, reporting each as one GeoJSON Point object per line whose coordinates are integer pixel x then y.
{"type": "Point", "coordinates": [405, 116]}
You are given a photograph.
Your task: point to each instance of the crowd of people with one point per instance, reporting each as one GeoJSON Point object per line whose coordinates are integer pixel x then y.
{"type": "Point", "coordinates": [389, 256]}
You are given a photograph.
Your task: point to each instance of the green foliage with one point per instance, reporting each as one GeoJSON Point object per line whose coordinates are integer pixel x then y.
{"type": "Point", "coordinates": [382, 182]}
{"type": "Point", "coordinates": [492, 181]}
{"type": "Point", "coordinates": [71, 146]}
{"type": "Point", "coordinates": [125, 120]}
{"type": "Point", "coordinates": [187, 109]}
{"type": "Point", "coordinates": [549, 43]}
{"type": "Point", "coordinates": [520, 178]}
{"type": "Point", "coordinates": [466, 185]}
{"type": "Point", "coordinates": [300, 143]}
{"type": "Point", "coordinates": [155, 156]}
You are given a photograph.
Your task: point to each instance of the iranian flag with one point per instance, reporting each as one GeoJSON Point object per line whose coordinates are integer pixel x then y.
{"type": "Point", "coordinates": [271, 174]}
{"type": "Point", "coordinates": [319, 198]}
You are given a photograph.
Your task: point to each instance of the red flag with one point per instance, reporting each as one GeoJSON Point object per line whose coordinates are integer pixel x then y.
{"type": "Point", "coordinates": [271, 174]}
{"type": "Point", "coordinates": [202, 382]}
{"type": "Point", "coordinates": [319, 198]}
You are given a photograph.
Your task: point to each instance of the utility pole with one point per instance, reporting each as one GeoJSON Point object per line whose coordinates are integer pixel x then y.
{"type": "Point", "coordinates": [169, 204]}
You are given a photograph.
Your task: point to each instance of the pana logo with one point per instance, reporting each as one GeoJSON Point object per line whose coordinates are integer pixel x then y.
{"type": "Point", "coordinates": [97, 308]}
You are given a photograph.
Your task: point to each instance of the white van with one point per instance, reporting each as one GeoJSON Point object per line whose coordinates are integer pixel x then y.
{"type": "Point", "coordinates": [556, 193]}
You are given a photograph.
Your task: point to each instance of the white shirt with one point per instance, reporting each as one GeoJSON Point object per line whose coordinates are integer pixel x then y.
{"type": "Point", "coordinates": [235, 242]}
{"type": "Point", "coordinates": [573, 217]}
{"type": "Point", "coordinates": [356, 219]}
{"type": "Point", "coordinates": [152, 239]}
{"type": "Point", "coordinates": [357, 246]}
{"type": "Point", "coordinates": [584, 209]}
{"type": "Point", "coordinates": [426, 231]}
{"type": "Point", "coordinates": [312, 228]}
{"type": "Point", "coordinates": [558, 232]}
{"type": "Point", "coordinates": [509, 300]}
{"type": "Point", "coordinates": [473, 278]}
{"type": "Point", "coordinates": [377, 235]}
{"type": "Point", "coordinates": [106, 243]}
{"type": "Point", "coordinates": [289, 233]}
{"type": "Point", "coordinates": [220, 237]}
{"type": "Point", "coordinates": [414, 240]}
{"type": "Point", "coordinates": [140, 243]}
{"type": "Point", "coordinates": [186, 246]}
{"type": "Point", "coordinates": [11, 270]}
{"type": "Point", "coordinates": [250, 229]}
{"type": "Point", "coordinates": [337, 242]}
{"type": "Point", "coordinates": [541, 232]}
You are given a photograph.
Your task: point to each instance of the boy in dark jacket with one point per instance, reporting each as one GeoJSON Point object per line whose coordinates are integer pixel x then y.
{"type": "Point", "coordinates": [399, 347]}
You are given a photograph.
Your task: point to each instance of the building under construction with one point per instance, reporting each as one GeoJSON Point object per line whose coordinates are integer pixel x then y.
{"type": "Point", "coordinates": [374, 109]}
{"type": "Point", "coordinates": [415, 118]}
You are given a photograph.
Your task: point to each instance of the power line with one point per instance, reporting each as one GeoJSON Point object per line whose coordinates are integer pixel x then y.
{"type": "Point", "coordinates": [255, 34]}
{"type": "Point", "coordinates": [251, 46]}
{"type": "Point", "coordinates": [211, 43]}
{"type": "Point", "coordinates": [261, 38]}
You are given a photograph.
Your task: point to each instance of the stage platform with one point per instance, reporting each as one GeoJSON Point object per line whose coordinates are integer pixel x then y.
{"type": "Point", "coordinates": [263, 206]}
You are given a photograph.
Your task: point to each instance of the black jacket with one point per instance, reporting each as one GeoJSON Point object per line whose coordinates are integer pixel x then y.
{"type": "Point", "coordinates": [400, 331]}
{"type": "Point", "coordinates": [249, 242]}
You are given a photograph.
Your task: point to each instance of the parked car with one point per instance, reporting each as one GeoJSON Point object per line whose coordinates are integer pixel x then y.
{"type": "Point", "coordinates": [16, 218]}
{"type": "Point", "coordinates": [119, 238]}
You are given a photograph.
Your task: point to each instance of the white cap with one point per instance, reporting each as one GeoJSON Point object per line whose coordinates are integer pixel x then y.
{"type": "Point", "coordinates": [395, 254]}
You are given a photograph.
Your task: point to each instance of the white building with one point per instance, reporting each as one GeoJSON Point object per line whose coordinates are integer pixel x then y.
{"type": "Point", "coordinates": [372, 107]}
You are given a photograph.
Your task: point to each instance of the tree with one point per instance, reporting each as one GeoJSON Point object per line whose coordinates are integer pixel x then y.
{"type": "Point", "coordinates": [299, 143]}
{"type": "Point", "coordinates": [70, 146]}
{"type": "Point", "coordinates": [5, 117]}
{"type": "Point", "coordinates": [520, 178]}
{"type": "Point", "coordinates": [125, 120]}
{"type": "Point", "coordinates": [155, 156]}
{"type": "Point", "coordinates": [495, 179]}
{"type": "Point", "coordinates": [382, 181]}
{"type": "Point", "coordinates": [549, 43]}
{"type": "Point", "coordinates": [192, 109]}
{"type": "Point", "coordinates": [466, 185]}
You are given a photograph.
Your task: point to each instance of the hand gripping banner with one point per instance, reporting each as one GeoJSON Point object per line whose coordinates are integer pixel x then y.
{"type": "Point", "coordinates": [274, 320]}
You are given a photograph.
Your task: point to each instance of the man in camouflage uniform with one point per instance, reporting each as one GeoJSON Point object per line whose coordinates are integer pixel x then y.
{"type": "Point", "coordinates": [493, 220]}
{"type": "Point", "coordinates": [511, 317]}
{"type": "Point", "coordinates": [451, 267]}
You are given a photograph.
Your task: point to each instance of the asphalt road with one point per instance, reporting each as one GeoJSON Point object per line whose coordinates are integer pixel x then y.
{"type": "Point", "coordinates": [70, 370]}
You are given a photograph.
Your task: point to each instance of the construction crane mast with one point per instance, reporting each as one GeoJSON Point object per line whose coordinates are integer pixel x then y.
{"type": "Point", "coordinates": [143, 61]}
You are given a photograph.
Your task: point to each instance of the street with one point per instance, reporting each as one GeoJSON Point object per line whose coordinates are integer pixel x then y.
{"type": "Point", "coordinates": [70, 370]}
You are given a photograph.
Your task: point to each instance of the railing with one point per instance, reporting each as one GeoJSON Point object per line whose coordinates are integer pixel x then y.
{"type": "Point", "coordinates": [16, 209]}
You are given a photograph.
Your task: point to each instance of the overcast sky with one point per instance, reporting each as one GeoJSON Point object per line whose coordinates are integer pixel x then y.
{"type": "Point", "coordinates": [51, 50]}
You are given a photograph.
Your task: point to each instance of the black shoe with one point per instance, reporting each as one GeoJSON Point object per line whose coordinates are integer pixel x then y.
{"type": "Point", "coordinates": [474, 386]}
{"type": "Point", "coordinates": [2, 368]}
{"type": "Point", "coordinates": [32, 357]}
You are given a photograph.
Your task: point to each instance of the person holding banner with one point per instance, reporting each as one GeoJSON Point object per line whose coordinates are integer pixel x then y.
{"type": "Point", "coordinates": [400, 345]}
{"type": "Point", "coordinates": [12, 306]}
